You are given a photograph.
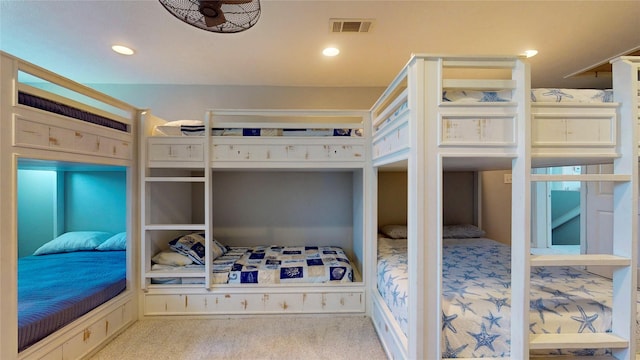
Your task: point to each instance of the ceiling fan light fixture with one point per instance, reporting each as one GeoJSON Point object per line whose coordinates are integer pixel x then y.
{"type": "Point", "coordinates": [221, 16]}
{"type": "Point", "coordinates": [124, 50]}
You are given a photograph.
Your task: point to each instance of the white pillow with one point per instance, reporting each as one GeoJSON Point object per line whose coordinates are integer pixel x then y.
{"type": "Point", "coordinates": [171, 258]}
{"type": "Point", "coordinates": [184, 122]}
{"type": "Point", "coordinates": [395, 231]}
{"type": "Point", "coordinates": [73, 241]}
{"type": "Point", "coordinates": [462, 231]}
{"type": "Point", "coordinates": [116, 242]}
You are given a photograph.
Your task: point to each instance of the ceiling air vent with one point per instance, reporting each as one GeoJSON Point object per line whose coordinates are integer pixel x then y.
{"type": "Point", "coordinates": [350, 25]}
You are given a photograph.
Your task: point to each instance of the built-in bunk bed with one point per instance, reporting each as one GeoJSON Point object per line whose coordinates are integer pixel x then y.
{"type": "Point", "coordinates": [463, 292]}
{"type": "Point", "coordinates": [67, 210]}
{"type": "Point", "coordinates": [254, 212]}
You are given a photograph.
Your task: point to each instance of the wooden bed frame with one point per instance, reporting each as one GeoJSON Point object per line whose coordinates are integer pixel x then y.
{"type": "Point", "coordinates": [60, 140]}
{"type": "Point", "coordinates": [413, 128]}
{"type": "Point", "coordinates": [198, 160]}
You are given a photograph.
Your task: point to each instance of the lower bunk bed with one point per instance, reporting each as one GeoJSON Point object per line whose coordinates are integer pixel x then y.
{"type": "Point", "coordinates": [56, 289]}
{"type": "Point", "coordinates": [476, 301]}
{"type": "Point", "coordinates": [251, 280]}
{"type": "Point", "coordinates": [271, 264]}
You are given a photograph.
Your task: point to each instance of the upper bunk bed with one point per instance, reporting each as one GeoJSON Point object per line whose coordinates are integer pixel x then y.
{"type": "Point", "coordinates": [52, 124]}
{"type": "Point", "coordinates": [458, 114]}
{"type": "Point", "coordinates": [475, 115]}
{"type": "Point", "coordinates": [55, 113]}
{"type": "Point", "coordinates": [267, 138]}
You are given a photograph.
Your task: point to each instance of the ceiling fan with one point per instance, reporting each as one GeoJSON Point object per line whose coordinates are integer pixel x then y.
{"type": "Point", "coordinates": [222, 16]}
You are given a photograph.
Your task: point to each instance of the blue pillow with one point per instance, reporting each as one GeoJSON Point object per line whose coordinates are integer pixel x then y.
{"type": "Point", "coordinates": [73, 241]}
{"type": "Point", "coordinates": [116, 242]}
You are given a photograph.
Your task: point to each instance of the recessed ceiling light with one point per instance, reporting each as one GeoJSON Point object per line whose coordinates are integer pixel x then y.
{"type": "Point", "coordinates": [530, 53]}
{"type": "Point", "coordinates": [121, 49]}
{"type": "Point", "coordinates": [330, 51]}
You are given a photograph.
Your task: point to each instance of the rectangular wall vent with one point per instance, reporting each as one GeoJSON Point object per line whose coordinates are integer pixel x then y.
{"type": "Point", "coordinates": [350, 25]}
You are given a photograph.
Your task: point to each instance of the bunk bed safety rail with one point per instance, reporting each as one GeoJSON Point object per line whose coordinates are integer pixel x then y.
{"type": "Point", "coordinates": [33, 80]}
{"type": "Point", "coordinates": [288, 138]}
{"type": "Point", "coordinates": [57, 114]}
{"type": "Point", "coordinates": [475, 108]}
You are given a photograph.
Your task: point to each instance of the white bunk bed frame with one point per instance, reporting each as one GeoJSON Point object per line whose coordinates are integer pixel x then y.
{"type": "Point", "coordinates": [37, 134]}
{"type": "Point", "coordinates": [430, 135]}
{"type": "Point", "coordinates": [203, 156]}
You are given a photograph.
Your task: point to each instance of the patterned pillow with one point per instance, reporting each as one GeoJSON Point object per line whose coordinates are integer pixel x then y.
{"type": "Point", "coordinates": [217, 249]}
{"type": "Point", "coordinates": [462, 231]}
{"type": "Point", "coordinates": [395, 231]}
{"type": "Point", "coordinates": [193, 246]}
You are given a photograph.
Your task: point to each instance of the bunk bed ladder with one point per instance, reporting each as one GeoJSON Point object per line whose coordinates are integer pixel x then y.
{"type": "Point", "coordinates": [171, 165]}
{"type": "Point", "coordinates": [620, 340]}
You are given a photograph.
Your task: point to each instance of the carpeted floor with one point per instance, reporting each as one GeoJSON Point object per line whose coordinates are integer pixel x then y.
{"type": "Point", "coordinates": [271, 337]}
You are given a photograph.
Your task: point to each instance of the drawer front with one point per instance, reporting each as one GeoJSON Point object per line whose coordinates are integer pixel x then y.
{"type": "Point", "coordinates": [114, 148]}
{"type": "Point", "coordinates": [33, 134]}
{"type": "Point", "coordinates": [278, 152]}
{"type": "Point", "coordinates": [28, 133]}
{"type": "Point", "coordinates": [176, 152]}
{"type": "Point", "coordinates": [254, 303]}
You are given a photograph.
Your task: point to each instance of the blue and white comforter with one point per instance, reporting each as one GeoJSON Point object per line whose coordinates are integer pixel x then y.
{"type": "Point", "coordinates": [476, 297]}
{"type": "Point", "coordinates": [283, 264]}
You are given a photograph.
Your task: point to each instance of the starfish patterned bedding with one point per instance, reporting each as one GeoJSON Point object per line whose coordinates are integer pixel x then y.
{"type": "Point", "coordinates": [476, 297]}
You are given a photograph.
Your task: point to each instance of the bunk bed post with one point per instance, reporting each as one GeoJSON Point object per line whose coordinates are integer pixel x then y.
{"type": "Point", "coordinates": [8, 221]}
{"type": "Point", "coordinates": [424, 211]}
{"type": "Point", "coordinates": [520, 216]}
{"type": "Point", "coordinates": [625, 220]}
{"type": "Point", "coordinates": [415, 213]}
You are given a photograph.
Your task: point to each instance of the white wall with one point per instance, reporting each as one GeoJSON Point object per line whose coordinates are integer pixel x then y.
{"type": "Point", "coordinates": [175, 102]}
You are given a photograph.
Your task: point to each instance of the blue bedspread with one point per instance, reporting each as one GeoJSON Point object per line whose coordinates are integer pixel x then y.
{"type": "Point", "coordinates": [54, 290]}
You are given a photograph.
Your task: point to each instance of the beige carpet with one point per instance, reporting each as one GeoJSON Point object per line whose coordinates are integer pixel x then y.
{"type": "Point", "coordinates": [269, 337]}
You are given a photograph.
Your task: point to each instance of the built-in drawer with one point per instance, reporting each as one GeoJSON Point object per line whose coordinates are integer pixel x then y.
{"type": "Point", "coordinates": [38, 135]}
{"type": "Point", "coordinates": [287, 152]}
{"type": "Point", "coordinates": [183, 150]}
{"type": "Point", "coordinates": [254, 303]}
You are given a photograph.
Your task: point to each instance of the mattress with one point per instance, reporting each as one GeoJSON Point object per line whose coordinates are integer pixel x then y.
{"type": "Point", "coordinates": [197, 128]}
{"type": "Point", "coordinates": [270, 265]}
{"type": "Point", "coordinates": [55, 289]}
{"type": "Point", "coordinates": [66, 110]}
{"type": "Point", "coordinates": [476, 297]}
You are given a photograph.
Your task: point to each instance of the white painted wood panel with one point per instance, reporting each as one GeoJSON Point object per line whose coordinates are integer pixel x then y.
{"type": "Point", "coordinates": [175, 152]}
{"type": "Point", "coordinates": [264, 301]}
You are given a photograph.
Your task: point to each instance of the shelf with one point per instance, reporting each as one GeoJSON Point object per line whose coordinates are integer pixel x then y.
{"type": "Point", "coordinates": [173, 274]}
{"type": "Point", "coordinates": [577, 260]}
{"type": "Point", "coordinates": [582, 177]}
{"type": "Point", "coordinates": [174, 179]}
{"type": "Point", "coordinates": [576, 341]}
{"type": "Point", "coordinates": [201, 227]}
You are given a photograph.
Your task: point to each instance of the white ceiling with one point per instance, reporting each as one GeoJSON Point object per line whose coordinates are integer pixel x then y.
{"type": "Point", "coordinates": [73, 38]}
